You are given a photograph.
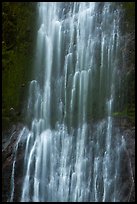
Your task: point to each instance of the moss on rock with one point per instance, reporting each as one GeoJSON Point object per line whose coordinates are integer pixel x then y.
{"type": "Point", "coordinates": [18, 37]}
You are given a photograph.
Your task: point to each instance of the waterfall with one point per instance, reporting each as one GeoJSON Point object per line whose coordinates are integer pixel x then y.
{"type": "Point", "coordinates": [72, 150]}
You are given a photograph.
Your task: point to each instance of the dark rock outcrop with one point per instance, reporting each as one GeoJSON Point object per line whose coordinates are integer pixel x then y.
{"type": "Point", "coordinates": [129, 135]}
{"type": "Point", "coordinates": [8, 156]}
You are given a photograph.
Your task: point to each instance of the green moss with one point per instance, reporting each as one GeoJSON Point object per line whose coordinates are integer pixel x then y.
{"type": "Point", "coordinates": [129, 10]}
{"type": "Point", "coordinates": [18, 37]}
{"type": "Point", "coordinates": [118, 114]}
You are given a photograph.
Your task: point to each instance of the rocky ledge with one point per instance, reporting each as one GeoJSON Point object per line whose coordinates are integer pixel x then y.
{"type": "Point", "coordinates": [8, 154]}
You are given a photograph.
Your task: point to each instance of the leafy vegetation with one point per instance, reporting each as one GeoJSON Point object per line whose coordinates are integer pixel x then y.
{"type": "Point", "coordinates": [18, 35]}
{"type": "Point", "coordinates": [129, 57]}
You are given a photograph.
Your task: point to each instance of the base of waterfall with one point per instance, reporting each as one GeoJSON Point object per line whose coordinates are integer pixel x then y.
{"type": "Point", "coordinates": [63, 175]}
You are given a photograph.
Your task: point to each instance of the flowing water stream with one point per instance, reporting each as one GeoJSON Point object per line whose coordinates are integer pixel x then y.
{"type": "Point", "coordinates": [72, 151]}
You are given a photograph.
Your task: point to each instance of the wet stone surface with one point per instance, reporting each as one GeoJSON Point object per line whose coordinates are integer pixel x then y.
{"type": "Point", "coordinates": [8, 154]}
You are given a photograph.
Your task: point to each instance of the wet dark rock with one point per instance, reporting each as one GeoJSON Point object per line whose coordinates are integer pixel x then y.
{"type": "Point", "coordinates": [8, 152]}
{"type": "Point", "coordinates": [10, 135]}
{"type": "Point", "coordinates": [129, 136]}
{"type": "Point", "coordinates": [122, 122]}
{"type": "Point", "coordinates": [8, 145]}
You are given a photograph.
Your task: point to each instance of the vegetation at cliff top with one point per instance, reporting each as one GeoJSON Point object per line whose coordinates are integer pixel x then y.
{"type": "Point", "coordinates": [18, 27]}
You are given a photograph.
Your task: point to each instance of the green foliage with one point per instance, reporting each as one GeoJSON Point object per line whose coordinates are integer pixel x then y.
{"type": "Point", "coordinates": [129, 15]}
{"type": "Point", "coordinates": [18, 36]}
{"type": "Point", "coordinates": [124, 113]}
{"type": "Point", "coordinates": [127, 87]}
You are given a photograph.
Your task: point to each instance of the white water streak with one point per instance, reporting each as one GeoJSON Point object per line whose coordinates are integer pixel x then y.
{"type": "Point", "coordinates": [65, 159]}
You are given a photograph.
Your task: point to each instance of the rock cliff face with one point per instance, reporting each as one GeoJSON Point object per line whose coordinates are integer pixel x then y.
{"type": "Point", "coordinates": [129, 135]}
{"type": "Point", "coordinates": [15, 71]}
{"type": "Point", "coordinates": [8, 153]}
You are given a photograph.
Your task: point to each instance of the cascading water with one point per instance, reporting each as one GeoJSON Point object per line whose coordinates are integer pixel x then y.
{"type": "Point", "coordinates": [72, 151]}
